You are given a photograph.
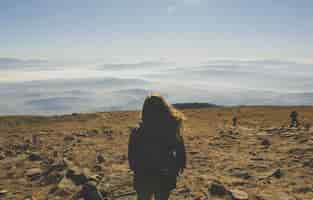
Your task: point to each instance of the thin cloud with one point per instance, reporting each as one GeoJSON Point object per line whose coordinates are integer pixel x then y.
{"type": "Point", "coordinates": [177, 4]}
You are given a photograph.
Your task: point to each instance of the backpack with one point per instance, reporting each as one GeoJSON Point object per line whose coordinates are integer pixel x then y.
{"type": "Point", "coordinates": [154, 153]}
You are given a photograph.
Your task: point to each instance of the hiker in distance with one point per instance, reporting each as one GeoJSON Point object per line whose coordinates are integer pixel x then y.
{"type": "Point", "coordinates": [156, 150]}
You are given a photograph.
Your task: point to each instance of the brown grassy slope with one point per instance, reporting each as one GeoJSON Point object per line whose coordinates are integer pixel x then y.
{"type": "Point", "coordinates": [216, 151]}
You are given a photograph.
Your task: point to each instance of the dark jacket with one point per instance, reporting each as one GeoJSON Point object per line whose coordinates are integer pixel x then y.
{"type": "Point", "coordinates": [165, 171]}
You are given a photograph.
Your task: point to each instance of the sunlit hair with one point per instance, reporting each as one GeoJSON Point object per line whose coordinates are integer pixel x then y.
{"type": "Point", "coordinates": [157, 112]}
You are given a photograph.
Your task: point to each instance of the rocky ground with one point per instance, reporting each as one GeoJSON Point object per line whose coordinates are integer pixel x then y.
{"type": "Point", "coordinates": [62, 157]}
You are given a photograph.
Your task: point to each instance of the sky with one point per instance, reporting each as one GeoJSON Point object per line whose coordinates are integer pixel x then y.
{"type": "Point", "coordinates": [142, 30]}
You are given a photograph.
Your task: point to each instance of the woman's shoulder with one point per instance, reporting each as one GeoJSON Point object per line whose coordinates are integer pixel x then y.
{"type": "Point", "coordinates": [136, 130]}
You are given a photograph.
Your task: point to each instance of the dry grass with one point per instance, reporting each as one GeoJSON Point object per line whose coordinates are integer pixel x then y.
{"type": "Point", "coordinates": [236, 157]}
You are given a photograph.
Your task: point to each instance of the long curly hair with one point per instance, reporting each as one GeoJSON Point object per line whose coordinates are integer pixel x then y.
{"type": "Point", "coordinates": [158, 114]}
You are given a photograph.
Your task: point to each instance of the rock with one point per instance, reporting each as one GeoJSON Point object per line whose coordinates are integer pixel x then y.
{"type": "Point", "coordinates": [97, 168]}
{"type": "Point", "coordinates": [35, 156]}
{"type": "Point", "coordinates": [266, 142]}
{"type": "Point", "coordinates": [93, 132]}
{"type": "Point", "coordinates": [77, 176]}
{"type": "Point", "coordinates": [282, 196]}
{"type": "Point", "coordinates": [69, 138]}
{"type": "Point", "coordinates": [278, 173]}
{"type": "Point", "coordinates": [308, 163]}
{"type": "Point", "coordinates": [35, 140]}
{"type": "Point", "coordinates": [240, 173]}
{"type": "Point", "coordinates": [217, 188]}
{"type": "Point", "coordinates": [239, 195]}
{"type": "Point", "coordinates": [33, 173]}
{"type": "Point", "coordinates": [55, 154]}
{"type": "Point", "coordinates": [264, 197]}
{"type": "Point", "coordinates": [107, 131]}
{"type": "Point", "coordinates": [201, 196]}
{"type": "Point", "coordinates": [53, 174]}
{"type": "Point", "coordinates": [303, 189]}
{"type": "Point", "coordinates": [90, 192]}
{"type": "Point", "coordinates": [65, 187]}
{"type": "Point", "coordinates": [184, 190]}
{"type": "Point", "coordinates": [3, 192]}
{"type": "Point", "coordinates": [99, 158]}
{"type": "Point", "coordinates": [2, 155]}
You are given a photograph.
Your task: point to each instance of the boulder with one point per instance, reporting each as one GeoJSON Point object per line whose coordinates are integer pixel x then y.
{"type": "Point", "coordinates": [217, 188]}
{"type": "Point", "coordinates": [239, 195]}
{"type": "Point", "coordinates": [54, 173]}
{"type": "Point", "coordinates": [240, 173]}
{"type": "Point", "coordinates": [266, 142]}
{"type": "Point", "coordinates": [3, 192]}
{"type": "Point", "coordinates": [77, 176]}
{"type": "Point", "coordinates": [33, 173]}
{"type": "Point", "coordinates": [308, 163]}
{"type": "Point", "coordinates": [2, 155]}
{"type": "Point", "coordinates": [35, 156]}
{"type": "Point", "coordinates": [69, 138]}
{"type": "Point", "coordinates": [90, 192]}
{"type": "Point", "coordinates": [278, 173]}
{"type": "Point", "coordinates": [99, 158]}
{"type": "Point", "coordinates": [64, 187]}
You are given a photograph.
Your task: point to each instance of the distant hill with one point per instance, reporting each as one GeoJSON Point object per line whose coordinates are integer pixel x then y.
{"type": "Point", "coordinates": [193, 105]}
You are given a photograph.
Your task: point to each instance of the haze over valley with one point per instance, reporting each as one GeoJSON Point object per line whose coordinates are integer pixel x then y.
{"type": "Point", "coordinates": [41, 87]}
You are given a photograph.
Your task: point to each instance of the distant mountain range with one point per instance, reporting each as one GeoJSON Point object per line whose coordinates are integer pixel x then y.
{"type": "Point", "coordinates": [19, 63]}
{"type": "Point", "coordinates": [193, 105]}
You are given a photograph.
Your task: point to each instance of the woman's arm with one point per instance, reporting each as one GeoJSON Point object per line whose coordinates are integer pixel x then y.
{"type": "Point", "coordinates": [131, 149]}
{"type": "Point", "coordinates": [181, 150]}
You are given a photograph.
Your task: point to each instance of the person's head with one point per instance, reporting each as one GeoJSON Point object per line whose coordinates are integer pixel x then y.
{"type": "Point", "coordinates": [156, 110]}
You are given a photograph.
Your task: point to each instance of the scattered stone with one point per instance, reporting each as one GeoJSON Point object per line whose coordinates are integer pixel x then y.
{"type": "Point", "coordinates": [35, 140]}
{"type": "Point", "coordinates": [97, 168]}
{"type": "Point", "coordinates": [184, 190]}
{"type": "Point", "coordinates": [69, 138]}
{"type": "Point", "coordinates": [263, 197]}
{"type": "Point", "coordinates": [90, 192]}
{"type": "Point", "coordinates": [99, 158]}
{"type": "Point", "coordinates": [33, 173]}
{"type": "Point", "coordinates": [55, 154]}
{"type": "Point", "coordinates": [217, 188]}
{"type": "Point", "coordinates": [304, 189]}
{"type": "Point", "coordinates": [107, 131]}
{"type": "Point", "coordinates": [266, 142]}
{"type": "Point", "coordinates": [239, 195]}
{"type": "Point", "coordinates": [282, 196]}
{"type": "Point", "coordinates": [35, 156]}
{"type": "Point", "coordinates": [2, 155]}
{"type": "Point", "coordinates": [65, 187]}
{"type": "Point", "coordinates": [278, 173]}
{"type": "Point", "coordinates": [240, 173]}
{"type": "Point", "coordinates": [53, 174]}
{"type": "Point", "coordinates": [93, 132]}
{"type": "Point", "coordinates": [77, 176]}
{"type": "Point", "coordinates": [3, 192]}
{"type": "Point", "coordinates": [308, 163]}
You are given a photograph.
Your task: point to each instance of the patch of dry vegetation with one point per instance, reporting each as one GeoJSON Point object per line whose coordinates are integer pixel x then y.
{"type": "Point", "coordinates": [42, 157]}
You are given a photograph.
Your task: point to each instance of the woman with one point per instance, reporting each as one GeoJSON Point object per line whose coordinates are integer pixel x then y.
{"type": "Point", "coordinates": [156, 150]}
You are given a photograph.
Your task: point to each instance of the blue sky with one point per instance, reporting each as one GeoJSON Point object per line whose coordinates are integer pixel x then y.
{"type": "Point", "coordinates": [136, 30]}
